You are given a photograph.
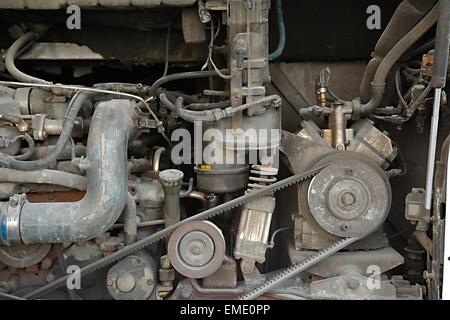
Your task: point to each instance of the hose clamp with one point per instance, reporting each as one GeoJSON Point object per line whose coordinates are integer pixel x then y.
{"type": "Point", "coordinates": [10, 220]}
{"type": "Point", "coordinates": [356, 114]}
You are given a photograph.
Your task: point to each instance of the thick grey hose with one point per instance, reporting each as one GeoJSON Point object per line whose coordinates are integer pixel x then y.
{"type": "Point", "coordinates": [52, 177]}
{"type": "Point", "coordinates": [72, 181]}
{"type": "Point", "coordinates": [379, 81]}
{"type": "Point", "coordinates": [74, 107]}
{"type": "Point", "coordinates": [12, 54]}
{"type": "Point", "coordinates": [106, 193]}
{"type": "Point", "coordinates": [202, 116]}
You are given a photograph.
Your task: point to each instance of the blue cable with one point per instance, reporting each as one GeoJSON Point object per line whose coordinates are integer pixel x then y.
{"type": "Point", "coordinates": [282, 31]}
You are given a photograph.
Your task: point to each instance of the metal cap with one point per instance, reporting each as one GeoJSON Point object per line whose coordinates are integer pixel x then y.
{"type": "Point", "coordinates": [171, 176]}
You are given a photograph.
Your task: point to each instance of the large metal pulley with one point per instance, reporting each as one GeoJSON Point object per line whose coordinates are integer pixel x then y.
{"type": "Point", "coordinates": [350, 197]}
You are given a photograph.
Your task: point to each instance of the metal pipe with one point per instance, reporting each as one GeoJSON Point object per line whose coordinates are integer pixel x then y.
{"type": "Point", "coordinates": [171, 182]}
{"type": "Point", "coordinates": [184, 194]}
{"type": "Point", "coordinates": [199, 196]}
{"type": "Point", "coordinates": [338, 125]}
{"type": "Point", "coordinates": [432, 148]}
{"type": "Point", "coordinates": [157, 158]}
{"type": "Point", "coordinates": [106, 195]}
{"type": "Point", "coordinates": [440, 66]}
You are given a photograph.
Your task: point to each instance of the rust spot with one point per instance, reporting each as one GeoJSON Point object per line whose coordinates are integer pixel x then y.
{"type": "Point", "coordinates": [62, 196]}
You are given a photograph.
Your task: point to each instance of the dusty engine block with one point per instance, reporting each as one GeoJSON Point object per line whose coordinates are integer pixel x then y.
{"type": "Point", "coordinates": [183, 149]}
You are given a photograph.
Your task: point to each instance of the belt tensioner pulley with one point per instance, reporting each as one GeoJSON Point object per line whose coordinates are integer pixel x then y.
{"type": "Point", "coordinates": [196, 249]}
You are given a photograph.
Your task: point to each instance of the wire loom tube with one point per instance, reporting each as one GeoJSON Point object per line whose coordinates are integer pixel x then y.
{"type": "Point", "coordinates": [214, 115]}
{"type": "Point", "coordinates": [12, 54]}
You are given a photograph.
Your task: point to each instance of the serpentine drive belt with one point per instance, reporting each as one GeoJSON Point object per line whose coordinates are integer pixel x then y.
{"type": "Point", "coordinates": [208, 214]}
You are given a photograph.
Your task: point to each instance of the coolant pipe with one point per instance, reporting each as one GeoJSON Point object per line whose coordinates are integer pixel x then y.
{"type": "Point", "coordinates": [438, 81]}
{"type": "Point", "coordinates": [28, 223]}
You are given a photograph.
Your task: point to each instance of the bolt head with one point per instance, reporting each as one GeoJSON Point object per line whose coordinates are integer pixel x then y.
{"type": "Point", "coordinates": [348, 199]}
{"type": "Point", "coordinates": [13, 202]}
{"type": "Point", "coordinates": [143, 122]}
{"type": "Point", "coordinates": [109, 282]}
{"type": "Point", "coordinates": [353, 284]}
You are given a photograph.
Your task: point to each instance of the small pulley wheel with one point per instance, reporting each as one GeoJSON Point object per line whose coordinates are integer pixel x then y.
{"type": "Point", "coordinates": [197, 249]}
